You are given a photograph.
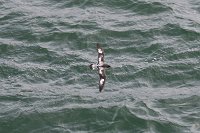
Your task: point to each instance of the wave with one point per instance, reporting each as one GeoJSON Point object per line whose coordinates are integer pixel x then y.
{"type": "Point", "coordinates": [137, 116]}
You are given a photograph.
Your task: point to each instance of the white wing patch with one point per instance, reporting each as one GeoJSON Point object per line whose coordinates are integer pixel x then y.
{"type": "Point", "coordinates": [100, 50]}
{"type": "Point", "coordinates": [100, 60]}
{"type": "Point", "coordinates": [101, 70]}
{"type": "Point", "coordinates": [102, 81]}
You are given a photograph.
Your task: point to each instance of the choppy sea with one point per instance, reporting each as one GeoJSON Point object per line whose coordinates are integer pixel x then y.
{"type": "Point", "coordinates": [153, 47]}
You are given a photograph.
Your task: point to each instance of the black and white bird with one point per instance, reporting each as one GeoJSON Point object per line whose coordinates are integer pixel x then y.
{"type": "Point", "coordinates": [101, 67]}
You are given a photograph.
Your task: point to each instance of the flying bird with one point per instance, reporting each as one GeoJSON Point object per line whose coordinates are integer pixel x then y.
{"type": "Point", "coordinates": [101, 67]}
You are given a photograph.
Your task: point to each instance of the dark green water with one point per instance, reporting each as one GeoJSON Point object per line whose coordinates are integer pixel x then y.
{"type": "Point", "coordinates": [153, 47]}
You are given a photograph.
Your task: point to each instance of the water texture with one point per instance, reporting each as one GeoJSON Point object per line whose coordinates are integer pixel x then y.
{"type": "Point", "coordinates": [153, 47]}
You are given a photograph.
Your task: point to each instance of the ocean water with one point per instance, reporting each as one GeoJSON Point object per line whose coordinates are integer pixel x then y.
{"type": "Point", "coordinates": [153, 47]}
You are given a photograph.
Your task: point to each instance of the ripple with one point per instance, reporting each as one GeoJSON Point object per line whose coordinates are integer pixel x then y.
{"type": "Point", "coordinates": [175, 30]}
{"type": "Point", "coordinates": [184, 55]}
{"type": "Point", "coordinates": [47, 86]}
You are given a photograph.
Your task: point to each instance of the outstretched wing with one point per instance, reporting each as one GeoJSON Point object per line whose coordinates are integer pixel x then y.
{"type": "Point", "coordinates": [100, 55]}
{"type": "Point", "coordinates": [102, 78]}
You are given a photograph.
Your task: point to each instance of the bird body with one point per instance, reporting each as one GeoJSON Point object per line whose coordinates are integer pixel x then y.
{"type": "Point", "coordinates": [101, 67]}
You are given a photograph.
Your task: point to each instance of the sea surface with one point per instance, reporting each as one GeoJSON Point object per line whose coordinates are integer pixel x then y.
{"type": "Point", "coordinates": [153, 47]}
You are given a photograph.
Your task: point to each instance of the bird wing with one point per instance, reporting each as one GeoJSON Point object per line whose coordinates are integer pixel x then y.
{"type": "Point", "coordinates": [100, 55]}
{"type": "Point", "coordinates": [102, 78]}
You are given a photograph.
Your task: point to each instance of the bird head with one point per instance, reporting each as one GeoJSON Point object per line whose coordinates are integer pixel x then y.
{"type": "Point", "coordinates": [92, 66]}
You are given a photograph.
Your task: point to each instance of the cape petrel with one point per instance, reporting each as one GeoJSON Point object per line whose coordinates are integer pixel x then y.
{"type": "Point", "coordinates": [101, 67]}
